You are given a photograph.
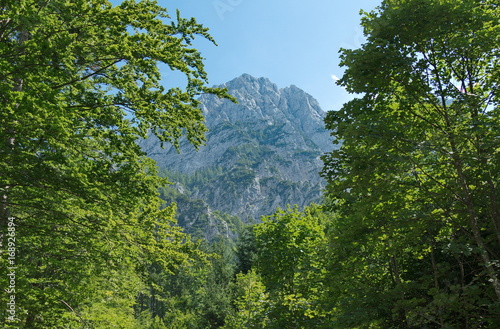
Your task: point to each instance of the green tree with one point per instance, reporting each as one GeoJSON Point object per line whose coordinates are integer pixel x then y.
{"type": "Point", "coordinates": [250, 302]}
{"type": "Point", "coordinates": [214, 298]}
{"type": "Point", "coordinates": [246, 250]}
{"type": "Point", "coordinates": [291, 249]}
{"type": "Point", "coordinates": [415, 181]}
{"type": "Point", "coordinates": [197, 295]}
{"type": "Point", "coordinates": [80, 82]}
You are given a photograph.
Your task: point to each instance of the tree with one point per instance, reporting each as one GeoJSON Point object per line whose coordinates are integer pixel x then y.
{"type": "Point", "coordinates": [290, 259]}
{"type": "Point", "coordinates": [197, 294]}
{"type": "Point", "coordinates": [415, 181]}
{"type": "Point", "coordinates": [80, 82]}
{"type": "Point", "coordinates": [246, 250]}
{"type": "Point", "coordinates": [250, 301]}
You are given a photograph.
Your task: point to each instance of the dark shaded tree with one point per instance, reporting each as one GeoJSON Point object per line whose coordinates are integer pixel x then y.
{"type": "Point", "coordinates": [415, 181]}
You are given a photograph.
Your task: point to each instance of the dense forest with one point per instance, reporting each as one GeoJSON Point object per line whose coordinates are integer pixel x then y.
{"type": "Point", "coordinates": [407, 234]}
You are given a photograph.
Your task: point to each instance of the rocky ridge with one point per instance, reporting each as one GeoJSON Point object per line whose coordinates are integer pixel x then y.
{"type": "Point", "coordinates": [261, 153]}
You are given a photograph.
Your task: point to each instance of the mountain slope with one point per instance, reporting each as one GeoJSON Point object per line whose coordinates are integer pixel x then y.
{"type": "Point", "coordinates": [261, 153]}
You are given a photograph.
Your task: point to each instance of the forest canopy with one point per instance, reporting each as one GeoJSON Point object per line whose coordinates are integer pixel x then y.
{"type": "Point", "coordinates": [408, 235]}
{"type": "Point", "coordinates": [79, 84]}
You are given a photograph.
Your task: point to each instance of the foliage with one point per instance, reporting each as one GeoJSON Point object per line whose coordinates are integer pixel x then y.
{"type": "Point", "coordinates": [246, 250]}
{"type": "Point", "coordinates": [80, 83]}
{"type": "Point", "coordinates": [191, 181]}
{"type": "Point", "coordinates": [250, 301]}
{"type": "Point", "coordinates": [411, 238]}
{"type": "Point", "coordinates": [197, 295]}
{"type": "Point", "coordinates": [415, 182]}
{"type": "Point", "coordinates": [290, 258]}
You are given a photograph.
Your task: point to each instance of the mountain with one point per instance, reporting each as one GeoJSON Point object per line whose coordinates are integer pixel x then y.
{"type": "Point", "coordinates": [261, 153]}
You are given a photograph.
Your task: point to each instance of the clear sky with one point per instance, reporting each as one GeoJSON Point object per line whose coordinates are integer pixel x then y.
{"type": "Point", "coordinates": [288, 41]}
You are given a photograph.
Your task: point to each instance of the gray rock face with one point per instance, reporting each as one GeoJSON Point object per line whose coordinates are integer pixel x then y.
{"type": "Point", "coordinates": [262, 153]}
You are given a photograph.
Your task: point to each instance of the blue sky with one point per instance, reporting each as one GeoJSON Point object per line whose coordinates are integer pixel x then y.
{"type": "Point", "coordinates": [288, 41]}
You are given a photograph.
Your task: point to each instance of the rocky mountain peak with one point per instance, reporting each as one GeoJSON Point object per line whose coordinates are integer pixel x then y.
{"type": "Point", "coordinates": [261, 102]}
{"type": "Point", "coordinates": [262, 153]}
{"type": "Point", "coordinates": [247, 82]}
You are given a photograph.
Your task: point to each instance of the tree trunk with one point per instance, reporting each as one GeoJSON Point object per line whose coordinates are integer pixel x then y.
{"type": "Point", "coordinates": [473, 221]}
